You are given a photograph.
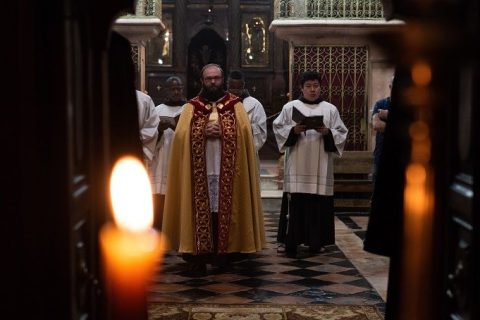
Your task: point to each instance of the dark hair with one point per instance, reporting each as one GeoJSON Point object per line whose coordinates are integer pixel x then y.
{"type": "Point", "coordinates": [309, 75]}
{"type": "Point", "coordinates": [236, 75]}
{"type": "Point", "coordinates": [172, 79]}
{"type": "Point", "coordinates": [209, 66]}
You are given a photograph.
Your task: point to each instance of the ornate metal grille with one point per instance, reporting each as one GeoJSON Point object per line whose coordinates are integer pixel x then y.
{"type": "Point", "coordinates": [336, 9]}
{"type": "Point", "coordinates": [344, 83]}
{"type": "Point", "coordinates": [135, 57]}
{"type": "Point", "coordinates": [283, 8]}
{"type": "Point", "coordinates": [154, 8]}
{"type": "Point", "coordinates": [149, 8]}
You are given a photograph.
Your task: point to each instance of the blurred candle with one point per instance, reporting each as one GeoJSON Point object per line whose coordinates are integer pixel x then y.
{"type": "Point", "coordinates": [418, 224]}
{"type": "Point", "coordinates": [131, 248]}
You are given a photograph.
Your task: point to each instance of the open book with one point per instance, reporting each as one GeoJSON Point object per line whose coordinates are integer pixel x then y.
{"type": "Point", "coordinates": [312, 122]}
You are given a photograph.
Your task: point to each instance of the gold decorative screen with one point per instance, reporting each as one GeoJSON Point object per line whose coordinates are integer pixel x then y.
{"type": "Point", "coordinates": [329, 9]}
{"type": "Point", "coordinates": [344, 83]}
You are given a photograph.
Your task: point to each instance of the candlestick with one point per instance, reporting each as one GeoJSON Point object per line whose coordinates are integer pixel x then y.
{"type": "Point", "coordinates": [131, 248]}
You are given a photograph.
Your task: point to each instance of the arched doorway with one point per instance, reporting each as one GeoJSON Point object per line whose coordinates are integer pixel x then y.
{"type": "Point", "coordinates": [205, 47]}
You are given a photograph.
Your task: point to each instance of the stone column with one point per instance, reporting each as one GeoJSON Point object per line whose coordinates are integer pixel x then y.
{"type": "Point", "coordinates": [138, 30]}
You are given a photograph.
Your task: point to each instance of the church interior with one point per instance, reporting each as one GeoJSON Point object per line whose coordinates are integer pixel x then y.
{"type": "Point", "coordinates": [413, 254]}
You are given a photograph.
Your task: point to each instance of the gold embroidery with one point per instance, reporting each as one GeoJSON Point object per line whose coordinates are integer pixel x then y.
{"type": "Point", "coordinates": [201, 205]}
{"type": "Point", "coordinates": [227, 174]}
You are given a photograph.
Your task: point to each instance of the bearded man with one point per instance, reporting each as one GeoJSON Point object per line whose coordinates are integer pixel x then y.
{"type": "Point", "coordinates": [213, 205]}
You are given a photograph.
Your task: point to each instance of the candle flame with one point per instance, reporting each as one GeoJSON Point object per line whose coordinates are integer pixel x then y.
{"type": "Point", "coordinates": [131, 195]}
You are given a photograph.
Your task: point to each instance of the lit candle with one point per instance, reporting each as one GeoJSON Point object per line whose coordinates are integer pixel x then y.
{"type": "Point", "coordinates": [132, 248]}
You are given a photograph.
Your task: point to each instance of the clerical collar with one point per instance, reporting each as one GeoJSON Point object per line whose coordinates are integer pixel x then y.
{"type": "Point", "coordinates": [317, 101]}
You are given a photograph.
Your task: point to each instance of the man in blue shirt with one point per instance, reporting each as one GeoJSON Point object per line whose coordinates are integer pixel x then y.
{"type": "Point", "coordinates": [379, 121]}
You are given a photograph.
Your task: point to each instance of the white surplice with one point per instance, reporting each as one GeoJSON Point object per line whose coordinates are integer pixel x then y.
{"type": "Point", "coordinates": [159, 167]}
{"type": "Point", "coordinates": [308, 167]}
{"type": "Point", "coordinates": [258, 120]}
{"type": "Point", "coordinates": [148, 124]}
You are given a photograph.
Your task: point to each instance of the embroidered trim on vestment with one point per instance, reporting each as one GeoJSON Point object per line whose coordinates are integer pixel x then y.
{"type": "Point", "coordinates": [227, 174]}
{"type": "Point", "coordinates": [201, 207]}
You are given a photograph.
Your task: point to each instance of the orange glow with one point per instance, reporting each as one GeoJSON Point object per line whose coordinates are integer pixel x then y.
{"type": "Point", "coordinates": [417, 96]}
{"type": "Point", "coordinates": [131, 249]}
{"type": "Point", "coordinates": [415, 189]}
{"type": "Point", "coordinates": [131, 195]}
{"type": "Point", "coordinates": [421, 73]}
{"type": "Point", "coordinates": [419, 132]}
{"type": "Point", "coordinates": [416, 174]}
{"type": "Point", "coordinates": [417, 237]}
{"type": "Point", "coordinates": [421, 152]}
{"type": "Point", "coordinates": [130, 260]}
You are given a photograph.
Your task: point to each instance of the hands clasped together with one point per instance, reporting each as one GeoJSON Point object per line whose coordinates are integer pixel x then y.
{"type": "Point", "coordinates": [212, 130]}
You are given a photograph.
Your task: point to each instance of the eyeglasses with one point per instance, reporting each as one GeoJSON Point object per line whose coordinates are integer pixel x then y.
{"type": "Point", "coordinates": [218, 78]}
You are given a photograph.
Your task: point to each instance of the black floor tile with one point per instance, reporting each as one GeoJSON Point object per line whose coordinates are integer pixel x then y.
{"type": "Point", "coordinates": [300, 264]}
{"type": "Point", "coordinates": [258, 294]}
{"type": "Point", "coordinates": [247, 271]}
{"type": "Point", "coordinates": [252, 282]}
{"type": "Point", "coordinates": [197, 293]}
{"type": "Point", "coordinates": [312, 282]}
{"type": "Point", "coordinates": [360, 283]}
{"type": "Point", "coordinates": [344, 263]}
{"type": "Point", "coordinates": [305, 273]}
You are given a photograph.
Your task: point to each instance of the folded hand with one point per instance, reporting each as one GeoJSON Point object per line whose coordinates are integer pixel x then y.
{"type": "Point", "coordinates": [212, 130]}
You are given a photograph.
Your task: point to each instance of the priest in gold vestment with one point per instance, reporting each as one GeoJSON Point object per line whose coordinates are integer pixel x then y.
{"type": "Point", "coordinates": [213, 205]}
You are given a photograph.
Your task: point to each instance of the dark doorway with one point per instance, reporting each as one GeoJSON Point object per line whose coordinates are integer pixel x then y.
{"type": "Point", "coordinates": [205, 47]}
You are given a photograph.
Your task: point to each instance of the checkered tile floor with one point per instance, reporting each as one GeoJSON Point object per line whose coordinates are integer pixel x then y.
{"type": "Point", "coordinates": [268, 277]}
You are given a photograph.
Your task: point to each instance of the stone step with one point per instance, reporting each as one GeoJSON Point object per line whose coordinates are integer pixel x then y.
{"type": "Point", "coordinates": [364, 186]}
{"type": "Point", "coordinates": [271, 205]}
{"type": "Point", "coordinates": [269, 182]}
{"type": "Point", "coordinates": [352, 204]}
{"type": "Point", "coordinates": [360, 206]}
{"type": "Point", "coordinates": [353, 184]}
{"type": "Point", "coordinates": [354, 162]}
{"type": "Point", "coordinates": [361, 186]}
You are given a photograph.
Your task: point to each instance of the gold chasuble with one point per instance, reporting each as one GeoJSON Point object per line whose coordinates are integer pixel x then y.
{"type": "Point", "coordinates": [187, 220]}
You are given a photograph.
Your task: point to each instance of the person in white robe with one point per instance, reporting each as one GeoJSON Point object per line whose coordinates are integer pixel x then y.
{"type": "Point", "coordinates": [168, 114]}
{"type": "Point", "coordinates": [148, 124]}
{"type": "Point", "coordinates": [308, 177]}
{"type": "Point", "coordinates": [253, 107]}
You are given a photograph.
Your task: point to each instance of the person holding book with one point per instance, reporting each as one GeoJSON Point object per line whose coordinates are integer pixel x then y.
{"type": "Point", "coordinates": [213, 206]}
{"type": "Point", "coordinates": [168, 114]}
{"type": "Point", "coordinates": [310, 132]}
